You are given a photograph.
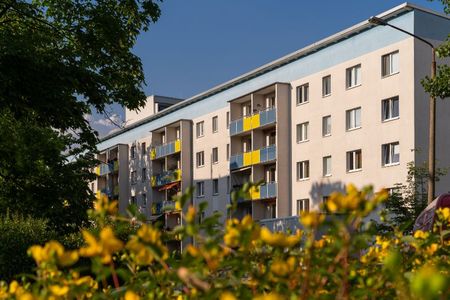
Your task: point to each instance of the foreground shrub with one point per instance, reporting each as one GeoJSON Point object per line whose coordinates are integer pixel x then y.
{"type": "Point", "coordinates": [245, 261]}
{"type": "Point", "coordinates": [17, 234]}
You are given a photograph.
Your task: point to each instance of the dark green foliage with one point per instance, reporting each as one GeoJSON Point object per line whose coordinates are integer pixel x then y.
{"type": "Point", "coordinates": [58, 60]}
{"type": "Point", "coordinates": [17, 234]}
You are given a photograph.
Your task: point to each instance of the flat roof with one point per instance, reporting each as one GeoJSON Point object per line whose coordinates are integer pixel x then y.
{"type": "Point", "coordinates": [391, 13]}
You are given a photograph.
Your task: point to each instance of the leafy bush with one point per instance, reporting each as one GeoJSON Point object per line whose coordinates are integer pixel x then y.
{"type": "Point", "coordinates": [17, 234]}
{"type": "Point", "coordinates": [246, 261]}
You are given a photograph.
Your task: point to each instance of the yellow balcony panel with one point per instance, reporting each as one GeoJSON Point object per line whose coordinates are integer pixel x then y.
{"type": "Point", "coordinates": [97, 171]}
{"type": "Point", "coordinates": [153, 153]}
{"type": "Point", "coordinates": [247, 159]}
{"type": "Point", "coordinates": [153, 181]}
{"type": "Point", "coordinates": [256, 157]}
{"type": "Point", "coordinates": [255, 121]}
{"type": "Point", "coordinates": [247, 123]}
{"type": "Point", "coordinates": [178, 145]}
{"type": "Point", "coordinates": [255, 193]}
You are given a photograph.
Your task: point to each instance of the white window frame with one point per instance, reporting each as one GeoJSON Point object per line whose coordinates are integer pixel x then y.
{"type": "Point", "coordinates": [390, 64]}
{"type": "Point", "coordinates": [215, 124]}
{"type": "Point", "coordinates": [326, 86]}
{"type": "Point", "coordinates": [302, 132]}
{"type": "Point", "coordinates": [351, 118]}
{"type": "Point", "coordinates": [302, 205]}
{"type": "Point", "coordinates": [387, 109]}
{"type": "Point", "coordinates": [325, 131]}
{"type": "Point", "coordinates": [215, 155]}
{"type": "Point", "coordinates": [353, 76]}
{"type": "Point", "coordinates": [353, 164]}
{"type": "Point", "coordinates": [302, 94]}
{"type": "Point", "coordinates": [390, 154]}
{"type": "Point", "coordinates": [215, 184]}
{"type": "Point", "coordinates": [200, 189]}
{"type": "Point", "coordinates": [200, 159]}
{"type": "Point", "coordinates": [327, 164]}
{"type": "Point", "coordinates": [303, 170]}
{"type": "Point", "coordinates": [200, 129]}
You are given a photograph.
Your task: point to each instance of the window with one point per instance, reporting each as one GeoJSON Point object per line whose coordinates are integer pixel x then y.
{"type": "Point", "coordinates": [326, 86]}
{"type": "Point", "coordinates": [327, 166]}
{"type": "Point", "coordinates": [354, 160]}
{"type": "Point", "coordinates": [144, 200]}
{"type": "Point", "coordinates": [389, 64]}
{"type": "Point", "coordinates": [133, 200]}
{"type": "Point", "coordinates": [199, 128]}
{"type": "Point", "coordinates": [390, 109]}
{"type": "Point", "coordinates": [228, 119]}
{"type": "Point", "coordinates": [228, 184]}
{"type": "Point", "coordinates": [144, 174]}
{"type": "Point", "coordinates": [215, 155]}
{"type": "Point", "coordinates": [215, 186]}
{"type": "Point", "coordinates": [215, 124]}
{"type": "Point", "coordinates": [133, 152]}
{"type": "Point", "coordinates": [302, 132]}
{"type": "Point", "coordinates": [391, 154]}
{"type": "Point", "coordinates": [200, 189]}
{"type": "Point", "coordinates": [353, 76]}
{"type": "Point", "coordinates": [303, 170]}
{"type": "Point", "coordinates": [228, 151]}
{"type": "Point", "coordinates": [326, 126]}
{"type": "Point", "coordinates": [353, 118]}
{"type": "Point", "coordinates": [143, 149]}
{"type": "Point", "coordinates": [133, 177]}
{"type": "Point", "coordinates": [302, 205]}
{"type": "Point", "coordinates": [303, 93]}
{"type": "Point", "coordinates": [200, 159]}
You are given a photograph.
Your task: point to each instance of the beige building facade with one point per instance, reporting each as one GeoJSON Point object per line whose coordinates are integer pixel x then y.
{"type": "Point", "coordinates": [347, 109]}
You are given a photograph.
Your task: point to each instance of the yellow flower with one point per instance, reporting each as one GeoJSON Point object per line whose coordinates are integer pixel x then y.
{"type": "Point", "coordinates": [190, 215]}
{"type": "Point", "coordinates": [443, 214]}
{"type": "Point", "coordinates": [68, 258]}
{"type": "Point", "coordinates": [58, 290]}
{"type": "Point", "coordinates": [227, 296]}
{"type": "Point", "coordinates": [149, 234]}
{"type": "Point", "coordinates": [130, 295]}
{"type": "Point", "coordinates": [104, 247]}
{"type": "Point", "coordinates": [270, 296]}
{"type": "Point", "coordinates": [231, 237]}
{"type": "Point", "coordinates": [419, 234]}
{"type": "Point", "coordinates": [279, 238]}
{"type": "Point", "coordinates": [430, 250]}
{"type": "Point", "coordinates": [51, 250]}
{"type": "Point", "coordinates": [103, 205]}
{"type": "Point", "coordinates": [311, 219]}
{"type": "Point", "coordinates": [279, 268]}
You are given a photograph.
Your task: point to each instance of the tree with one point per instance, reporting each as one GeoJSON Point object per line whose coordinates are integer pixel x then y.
{"type": "Point", "coordinates": [440, 85]}
{"type": "Point", "coordinates": [58, 60]}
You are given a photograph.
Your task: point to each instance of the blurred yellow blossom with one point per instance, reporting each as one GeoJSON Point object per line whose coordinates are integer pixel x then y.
{"type": "Point", "coordinates": [104, 247]}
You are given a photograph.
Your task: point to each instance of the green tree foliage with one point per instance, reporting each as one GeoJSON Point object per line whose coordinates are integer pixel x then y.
{"type": "Point", "coordinates": [58, 60]}
{"type": "Point", "coordinates": [440, 86]}
{"type": "Point", "coordinates": [17, 234]}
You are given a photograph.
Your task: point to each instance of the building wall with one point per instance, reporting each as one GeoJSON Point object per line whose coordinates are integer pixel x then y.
{"type": "Point", "coordinates": [369, 138]}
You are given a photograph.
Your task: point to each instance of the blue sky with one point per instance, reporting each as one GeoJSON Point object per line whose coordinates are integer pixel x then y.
{"type": "Point", "coordinates": [198, 44]}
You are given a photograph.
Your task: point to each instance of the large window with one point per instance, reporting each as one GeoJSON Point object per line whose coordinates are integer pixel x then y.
{"type": "Point", "coordinates": [326, 85]}
{"type": "Point", "coordinates": [390, 154]}
{"type": "Point", "coordinates": [353, 76]}
{"type": "Point", "coordinates": [133, 151]}
{"type": "Point", "coordinates": [200, 189]}
{"type": "Point", "coordinates": [144, 200]}
{"type": "Point", "coordinates": [144, 174]}
{"type": "Point", "coordinates": [143, 149]}
{"type": "Point", "coordinates": [215, 186]}
{"type": "Point", "coordinates": [303, 93]}
{"type": "Point", "coordinates": [390, 109]}
{"type": "Point", "coordinates": [303, 170]}
{"type": "Point", "coordinates": [326, 126]}
{"type": "Point", "coordinates": [215, 124]}
{"type": "Point", "coordinates": [215, 155]}
{"type": "Point", "coordinates": [199, 128]}
{"type": "Point", "coordinates": [353, 118]}
{"type": "Point", "coordinates": [327, 166]}
{"type": "Point", "coordinates": [302, 132]}
{"type": "Point", "coordinates": [389, 64]}
{"type": "Point", "coordinates": [200, 159]}
{"type": "Point", "coordinates": [354, 160]}
{"type": "Point", "coordinates": [302, 205]}
{"type": "Point", "coordinates": [133, 177]}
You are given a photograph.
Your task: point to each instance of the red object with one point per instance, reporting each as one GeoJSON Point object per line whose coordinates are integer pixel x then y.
{"type": "Point", "coordinates": [425, 220]}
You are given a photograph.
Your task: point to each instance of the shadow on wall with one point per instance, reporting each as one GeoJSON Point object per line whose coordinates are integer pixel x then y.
{"type": "Point", "coordinates": [322, 189]}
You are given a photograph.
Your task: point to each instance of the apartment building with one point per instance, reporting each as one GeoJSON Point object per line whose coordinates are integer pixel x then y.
{"type": "Point", "coordinates": [346, 109]}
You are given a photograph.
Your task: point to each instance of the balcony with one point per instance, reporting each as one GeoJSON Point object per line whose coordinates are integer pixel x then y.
{"type": "Point", "coordinates": [287, 224]}
{"type": "Point", "coordinates": [165, 149]}
{"type": "Point", "coordinates": [254, 121]}
{"type": "Point", "coordinates": [265, 191]}
{"type": "Point", "coordinates": [166, 177]}
{"type": "Point", "coordinates": [162, 207]}
{"type": "Point", "coordinates": [104, 169]}
{"type": "Point", "coordinates": [262, 155]}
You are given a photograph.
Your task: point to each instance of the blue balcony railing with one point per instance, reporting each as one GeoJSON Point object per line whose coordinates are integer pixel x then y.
{"type": "Point", "coordinates": [268, 190]}
{"type": "Point", "coordinates": [254, 121]}
{"type": "Point", "coordinates": [262, 155]}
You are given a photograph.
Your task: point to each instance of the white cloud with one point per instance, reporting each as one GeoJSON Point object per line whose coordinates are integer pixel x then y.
{"type": "Point", "coordinates": [112, 121]}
